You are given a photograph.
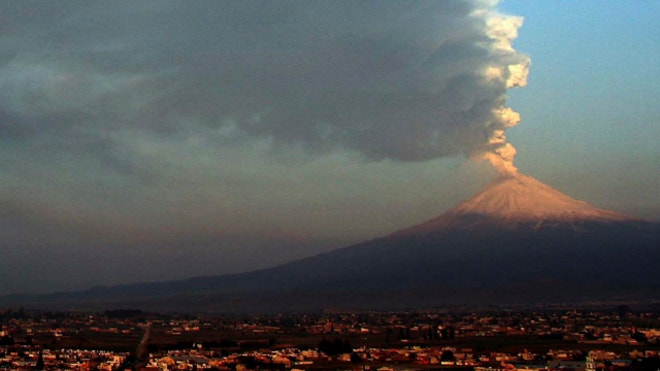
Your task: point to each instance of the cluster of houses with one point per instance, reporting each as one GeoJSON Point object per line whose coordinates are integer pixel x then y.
{"type": "Point", "coordinates": [408, 358]}
{"type": "Point", "coordinates": [604, 341]}
{"type": "Point", "coordinates": [25, 357]}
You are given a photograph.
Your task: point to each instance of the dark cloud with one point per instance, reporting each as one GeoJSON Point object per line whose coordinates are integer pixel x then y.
{"type": "Point", "coordinates": [388, 79]}
{"type": "Point", "coordinates": [123, 119]}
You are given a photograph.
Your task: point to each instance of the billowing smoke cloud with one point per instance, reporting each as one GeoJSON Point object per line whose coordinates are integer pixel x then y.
{"type": "Point", "coordinates": [408, 81]}
{"type": "Point", "coordinates": [189, 134]}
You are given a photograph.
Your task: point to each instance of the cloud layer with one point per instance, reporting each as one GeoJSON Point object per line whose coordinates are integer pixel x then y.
{"type": "Point", "coordinates": [404, 81]}
{"type": "Point", "coordinates": [135, 120]}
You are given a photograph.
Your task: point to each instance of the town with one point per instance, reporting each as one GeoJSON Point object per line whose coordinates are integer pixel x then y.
{"type": "Point", "coordinates": [569, 339]}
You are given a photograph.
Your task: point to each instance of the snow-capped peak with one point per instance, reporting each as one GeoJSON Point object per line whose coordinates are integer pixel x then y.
{"type": "Point", "coordinates": [522, 197]}
{"type": "Point", "coordinates": [515, 200]}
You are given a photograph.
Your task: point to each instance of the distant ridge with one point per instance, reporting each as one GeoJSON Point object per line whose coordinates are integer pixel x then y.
{"type": "Point", "coordinates": [518, 241]}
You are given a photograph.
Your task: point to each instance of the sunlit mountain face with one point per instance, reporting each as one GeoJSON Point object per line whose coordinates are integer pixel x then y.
{"type": "Point", "coordinates": [518, 241]}
{"type": "Point", "coordinates": [519, 201]}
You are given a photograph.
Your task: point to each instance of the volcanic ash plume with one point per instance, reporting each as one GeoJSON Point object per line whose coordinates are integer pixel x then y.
{"type": "Point", "coordinates": [400, 80]}
{"type": "Point", "coordinates": [504, 29]}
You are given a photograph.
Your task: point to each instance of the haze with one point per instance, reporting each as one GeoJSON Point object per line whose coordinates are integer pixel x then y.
{"type": "Point", "coordinates": [161, 140]}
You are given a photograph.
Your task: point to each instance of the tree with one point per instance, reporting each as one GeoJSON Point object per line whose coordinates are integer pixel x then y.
{"type": "Point", "coordinates": [335, 347]}
{"type": "Point", "coordinates": [447, 356]}
{"type": "Point", "coordinates": [40, 361]}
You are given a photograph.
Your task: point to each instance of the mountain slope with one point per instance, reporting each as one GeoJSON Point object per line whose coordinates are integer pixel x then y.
{"type": "Point", "coordinates": [516, 201]}
{"type": "Point", "coordinates": [517, 241]}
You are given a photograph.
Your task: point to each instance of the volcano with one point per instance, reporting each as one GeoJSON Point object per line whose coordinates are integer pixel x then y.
{"type": "Point", "coordinates": [518, 241]}
{"type": "Point", "coordinates": [513, 202]}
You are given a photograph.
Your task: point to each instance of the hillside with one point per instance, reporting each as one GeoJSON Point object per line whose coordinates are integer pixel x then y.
{"type": "Point", "coordinates": [517, 241]}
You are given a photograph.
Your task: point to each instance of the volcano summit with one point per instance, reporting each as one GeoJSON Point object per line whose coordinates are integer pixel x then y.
{"type": "Point", "coordinates": [515, 201]}
{"type": "Point", "coordinates": [518, 241]}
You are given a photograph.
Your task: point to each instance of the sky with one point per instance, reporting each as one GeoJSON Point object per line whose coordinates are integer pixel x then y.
{"type": "Point", "coordinates": [162, 140]}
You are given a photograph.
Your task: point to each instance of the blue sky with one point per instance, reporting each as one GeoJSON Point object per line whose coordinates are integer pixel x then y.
{"type": "Point", "coordinates": [166, 140]}
{"type": "Point", "coordinates": [590, 113]}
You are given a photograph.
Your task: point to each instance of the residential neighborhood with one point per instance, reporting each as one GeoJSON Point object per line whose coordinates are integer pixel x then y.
{"type": "Point", "coordinates": [492, 340]}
